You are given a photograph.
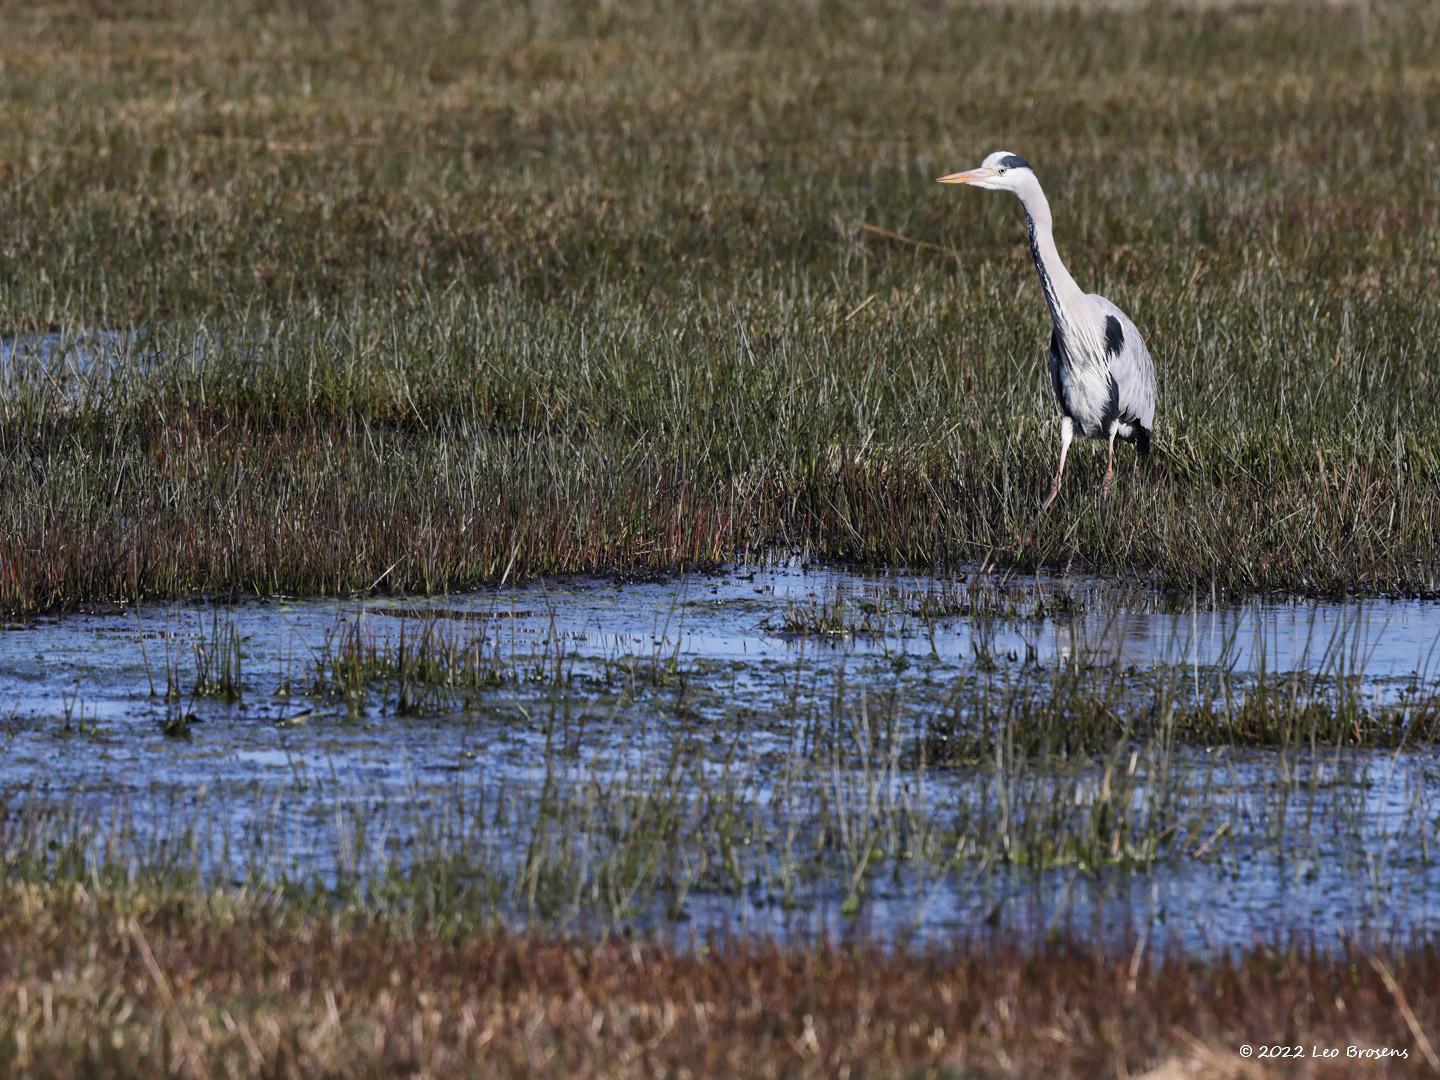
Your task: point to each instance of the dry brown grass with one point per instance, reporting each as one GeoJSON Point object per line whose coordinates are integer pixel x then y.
{"type": "Point", "coordinates": [135, 983]}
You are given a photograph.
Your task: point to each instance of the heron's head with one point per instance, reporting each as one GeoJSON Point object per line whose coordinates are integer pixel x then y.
{"type": "Point", "coordinates": [1001, 171]}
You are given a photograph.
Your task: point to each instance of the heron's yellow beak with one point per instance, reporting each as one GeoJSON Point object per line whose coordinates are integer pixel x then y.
{"type": "Point", "coordinates": [970, 177]}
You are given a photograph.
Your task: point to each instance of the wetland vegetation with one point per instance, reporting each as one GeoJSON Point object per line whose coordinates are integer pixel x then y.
{"type": "Point", "coordinates": [417, 297]}
{"type": "Point", "coordinates": [427, 308]}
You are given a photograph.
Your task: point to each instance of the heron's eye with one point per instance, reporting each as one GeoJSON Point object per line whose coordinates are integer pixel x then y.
{"type": "Point", "coordinates": [1003, 170]}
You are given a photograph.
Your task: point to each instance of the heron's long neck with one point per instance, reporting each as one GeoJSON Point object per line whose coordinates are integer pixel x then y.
{"type": "Point", "coordinates": [1063, 297]}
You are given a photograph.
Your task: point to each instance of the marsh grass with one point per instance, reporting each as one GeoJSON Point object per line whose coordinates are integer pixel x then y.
{"type": "Point", "coordinates": [219, 662]}
{"type": "Point", "coordinates": [416, 297]}
{"type": "Point", "coordinates": [428, 663]}
{"type": "Point", "coordinates": [1073, 715]}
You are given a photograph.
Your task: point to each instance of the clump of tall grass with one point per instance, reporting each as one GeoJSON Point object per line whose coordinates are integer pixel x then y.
{"type": "Point", "coordinates": [428, 664]}
{"type": "Point", "coordinates": [219, 662]}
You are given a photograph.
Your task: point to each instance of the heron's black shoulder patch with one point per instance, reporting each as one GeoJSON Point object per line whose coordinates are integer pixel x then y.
{"type": "Point", "coordinates": [1014, 161]}
{"type": "Point", "coordinates": [1114, 336]}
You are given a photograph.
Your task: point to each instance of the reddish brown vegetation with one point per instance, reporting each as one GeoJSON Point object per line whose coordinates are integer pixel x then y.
{"type": "Point", "coordinates": [135, 984]}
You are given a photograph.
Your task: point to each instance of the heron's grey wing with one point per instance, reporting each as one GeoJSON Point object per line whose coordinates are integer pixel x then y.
{"type": "Point", "coordinates": [1130, 365]}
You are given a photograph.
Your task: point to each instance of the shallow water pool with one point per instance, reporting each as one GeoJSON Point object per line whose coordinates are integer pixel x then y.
{"type": "Point", "coordinates": [748, 750]}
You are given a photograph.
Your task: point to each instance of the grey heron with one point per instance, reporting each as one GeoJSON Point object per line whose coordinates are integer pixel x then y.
{"type": "Point", "coordinates": [1099, 367]}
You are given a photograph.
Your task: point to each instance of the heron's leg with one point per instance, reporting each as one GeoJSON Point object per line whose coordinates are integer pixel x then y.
{"type": "Point", "coordinates": [1109, 481]}
{"type": "Point", "coordinates": [1067, 432]}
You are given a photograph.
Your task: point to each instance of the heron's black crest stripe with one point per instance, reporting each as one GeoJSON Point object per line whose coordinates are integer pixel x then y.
{"type": "Point", "coordinates": [1114, 336]}
{"type": "Point", "coordinates": [1014, 161]}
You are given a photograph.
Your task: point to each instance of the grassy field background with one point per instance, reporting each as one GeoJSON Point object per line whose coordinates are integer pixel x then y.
{"type": "Point", "coordinates": [420, 296]}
